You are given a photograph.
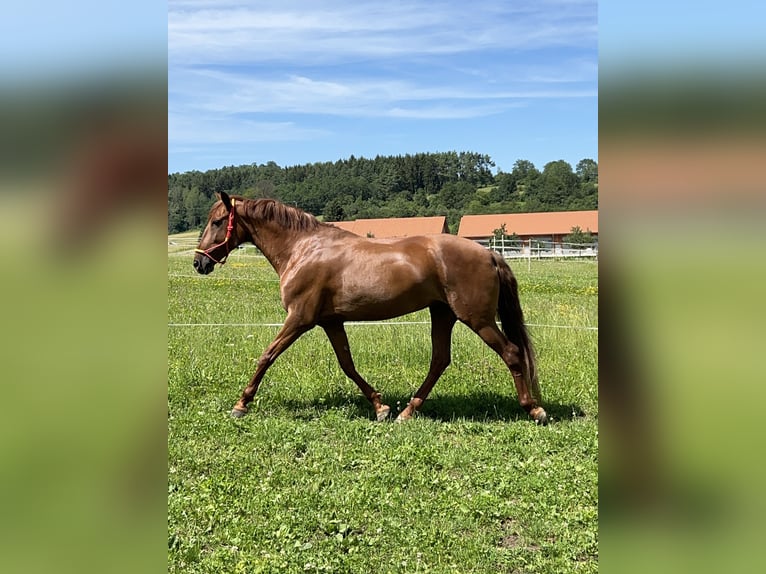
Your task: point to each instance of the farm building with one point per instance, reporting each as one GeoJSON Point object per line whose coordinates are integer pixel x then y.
{"type": "Point", "coordinates": [395, 226]}
{"type": "Point", "coordinates": [550, 227]}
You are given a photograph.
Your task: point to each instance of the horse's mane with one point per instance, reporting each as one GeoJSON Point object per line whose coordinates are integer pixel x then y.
{"type": "Point", "coordinates": [281, 214]}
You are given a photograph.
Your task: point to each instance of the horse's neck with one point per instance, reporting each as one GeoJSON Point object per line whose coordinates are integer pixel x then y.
{"type": "Point", "coordinates": [276, 243]}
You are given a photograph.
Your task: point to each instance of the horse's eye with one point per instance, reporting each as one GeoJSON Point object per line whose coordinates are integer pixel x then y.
{"type": "Point", "coordinates": [218, 222]}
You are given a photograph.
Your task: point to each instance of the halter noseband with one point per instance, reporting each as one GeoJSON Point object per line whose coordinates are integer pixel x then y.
{"type": "Point", "coordinates": [229, 229]}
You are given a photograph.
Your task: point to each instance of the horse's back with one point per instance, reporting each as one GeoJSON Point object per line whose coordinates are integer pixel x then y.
{"type": "Point", "coordinates": [443, 258]}
{"type": "Point", "coordinates": [372, 279]}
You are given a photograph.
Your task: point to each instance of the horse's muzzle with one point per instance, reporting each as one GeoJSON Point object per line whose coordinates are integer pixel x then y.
{"type": "Point", "coordinates": [203, 264]}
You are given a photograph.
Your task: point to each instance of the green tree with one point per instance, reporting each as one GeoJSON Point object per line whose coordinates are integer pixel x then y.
{"type": "Point", "coordinates": [500, 233]}
{"type": "Point", "coordinates": [333, 210]}
{"type": "Point", "coordinates": [455, 194]}
{"type": "Point", "coordinates": [557, 185]}
{"type": "Point", "coordinates": [524, 169]}
{"type": "Point", "coordinates": [196, 207]}
{"type": "Point", "coordinates": [587, 171]}
{"type": "Point", "coordinates": [399, 206]}
{"type": "Point", "coordinates": [422, 184]}
{"type": "Point", "coordinates": [501, 239]}
{"type": "Point", "coordinates": [523, 179]}
{"type": "Point", "coordinates": [586, 196]}
{"type": "Point", "coordinates": [579, 237]}
{"type": "Point", "coordinates": [505, 188]}
{"type": "Point", "coordinates": [176, 211]}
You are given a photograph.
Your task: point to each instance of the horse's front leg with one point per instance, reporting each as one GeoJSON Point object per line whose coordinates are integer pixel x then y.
{"type": "Point", "coordinates": [288, 334]}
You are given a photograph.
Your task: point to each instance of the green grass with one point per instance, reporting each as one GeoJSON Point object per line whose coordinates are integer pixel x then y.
{"type": "Point", "coordinates": [307, 482]}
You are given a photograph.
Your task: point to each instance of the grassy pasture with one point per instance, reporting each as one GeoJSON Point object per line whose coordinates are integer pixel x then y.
{"type": "Point", "coordinates": [307, 482]}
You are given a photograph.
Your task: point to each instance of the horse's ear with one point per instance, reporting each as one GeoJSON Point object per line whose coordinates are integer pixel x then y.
{"type": "Point", "coordinates": [226, 200]}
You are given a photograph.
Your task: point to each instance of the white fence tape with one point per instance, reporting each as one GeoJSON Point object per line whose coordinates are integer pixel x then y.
{"type": "Point", "coordinates": [368, 323]}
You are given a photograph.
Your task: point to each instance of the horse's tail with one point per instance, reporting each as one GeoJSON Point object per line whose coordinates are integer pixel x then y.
{"type": "Point", "coordinates": [512, 321]}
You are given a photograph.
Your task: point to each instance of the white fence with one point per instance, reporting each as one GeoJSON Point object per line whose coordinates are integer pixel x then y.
{"type": "Point", "coordinates": [539, 249]}
{"type": "Point", "coordinates": [525, 249]}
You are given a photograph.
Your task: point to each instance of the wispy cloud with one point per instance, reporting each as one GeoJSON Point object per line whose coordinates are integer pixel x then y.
{"type": "Point", "coordinates": [215, 129]}
{"type": "Point", "coordinates": [247, 71]}
{"type": "Point", "coordinates": [201, 32]}
{"type": "Point", "coordinates": [230, 93]}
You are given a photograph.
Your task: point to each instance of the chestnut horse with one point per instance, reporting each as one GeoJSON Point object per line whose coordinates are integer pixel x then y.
{"type": "Point", "coordinates": [328, 276]}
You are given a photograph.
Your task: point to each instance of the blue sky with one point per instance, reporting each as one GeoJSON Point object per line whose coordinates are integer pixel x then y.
{"type": "Point", "coordinates": [304, 81]}
{"type": "Point", "coordinates": [658, 34]}
{"type": "Point", "coordinates": [298, 82]}
{"type": "Point", "coordinates": [58, 42]}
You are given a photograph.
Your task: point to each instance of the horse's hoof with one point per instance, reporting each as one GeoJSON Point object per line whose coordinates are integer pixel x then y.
{"type": "Point", "coordinates": [540, 416]}
{"type": "Point", "coordinates": [238, 413]}
{"type": "Point", "coordinates": [383, 413]}
{"type": "Point", "coordinates": [402, 419]}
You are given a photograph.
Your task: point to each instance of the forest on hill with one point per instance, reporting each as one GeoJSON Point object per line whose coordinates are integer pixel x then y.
{"type": "Point", "coordinates": [425, 184]}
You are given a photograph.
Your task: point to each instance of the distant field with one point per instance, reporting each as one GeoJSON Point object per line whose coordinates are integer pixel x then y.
{"type": "Point", "coordinates": [181, 242]}
{"type": "Point", "coordinates": [307, 482]}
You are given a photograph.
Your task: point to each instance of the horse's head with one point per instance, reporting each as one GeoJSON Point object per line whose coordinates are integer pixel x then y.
{"type": "Point", "coordinates": [219, 236]}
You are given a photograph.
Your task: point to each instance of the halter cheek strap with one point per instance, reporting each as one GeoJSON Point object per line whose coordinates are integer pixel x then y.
{"type": "Point", "coordinates": [229, 229]}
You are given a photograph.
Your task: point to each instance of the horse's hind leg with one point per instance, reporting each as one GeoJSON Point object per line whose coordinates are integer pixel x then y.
{"type": "Point", "coordinates": [442, 322]}
{"type": "Point", "coordinates": [511, 355]}
{"type": "Point", "coordinates": [339, 341]}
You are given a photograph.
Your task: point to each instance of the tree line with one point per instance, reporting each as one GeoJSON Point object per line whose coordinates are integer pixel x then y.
{"type": "Point", "coordinates": [425, 184]}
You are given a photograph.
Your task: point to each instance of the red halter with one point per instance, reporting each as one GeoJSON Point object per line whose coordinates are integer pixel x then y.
{"type": "Point", "coordinates": [229, 229]}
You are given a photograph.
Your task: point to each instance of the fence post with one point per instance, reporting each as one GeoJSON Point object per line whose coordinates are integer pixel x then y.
{"type": "Point", "coordinates": [529, 256]}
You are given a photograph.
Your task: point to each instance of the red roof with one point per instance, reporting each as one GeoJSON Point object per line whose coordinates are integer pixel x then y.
{"type": "Point", "coordinates": [395, 226]}
{"type": "Point", "coordinates": [528, 224]}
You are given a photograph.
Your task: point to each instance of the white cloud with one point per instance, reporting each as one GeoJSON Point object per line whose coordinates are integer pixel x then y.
{"type": "Point", "coordinates": [308, 31]}
{"type": "Point", "coordinates": [226, 129]}
{"type": "Point", "coordinates": [237, 70]}
{"type": "Point", "coordinates": [229, 93]}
